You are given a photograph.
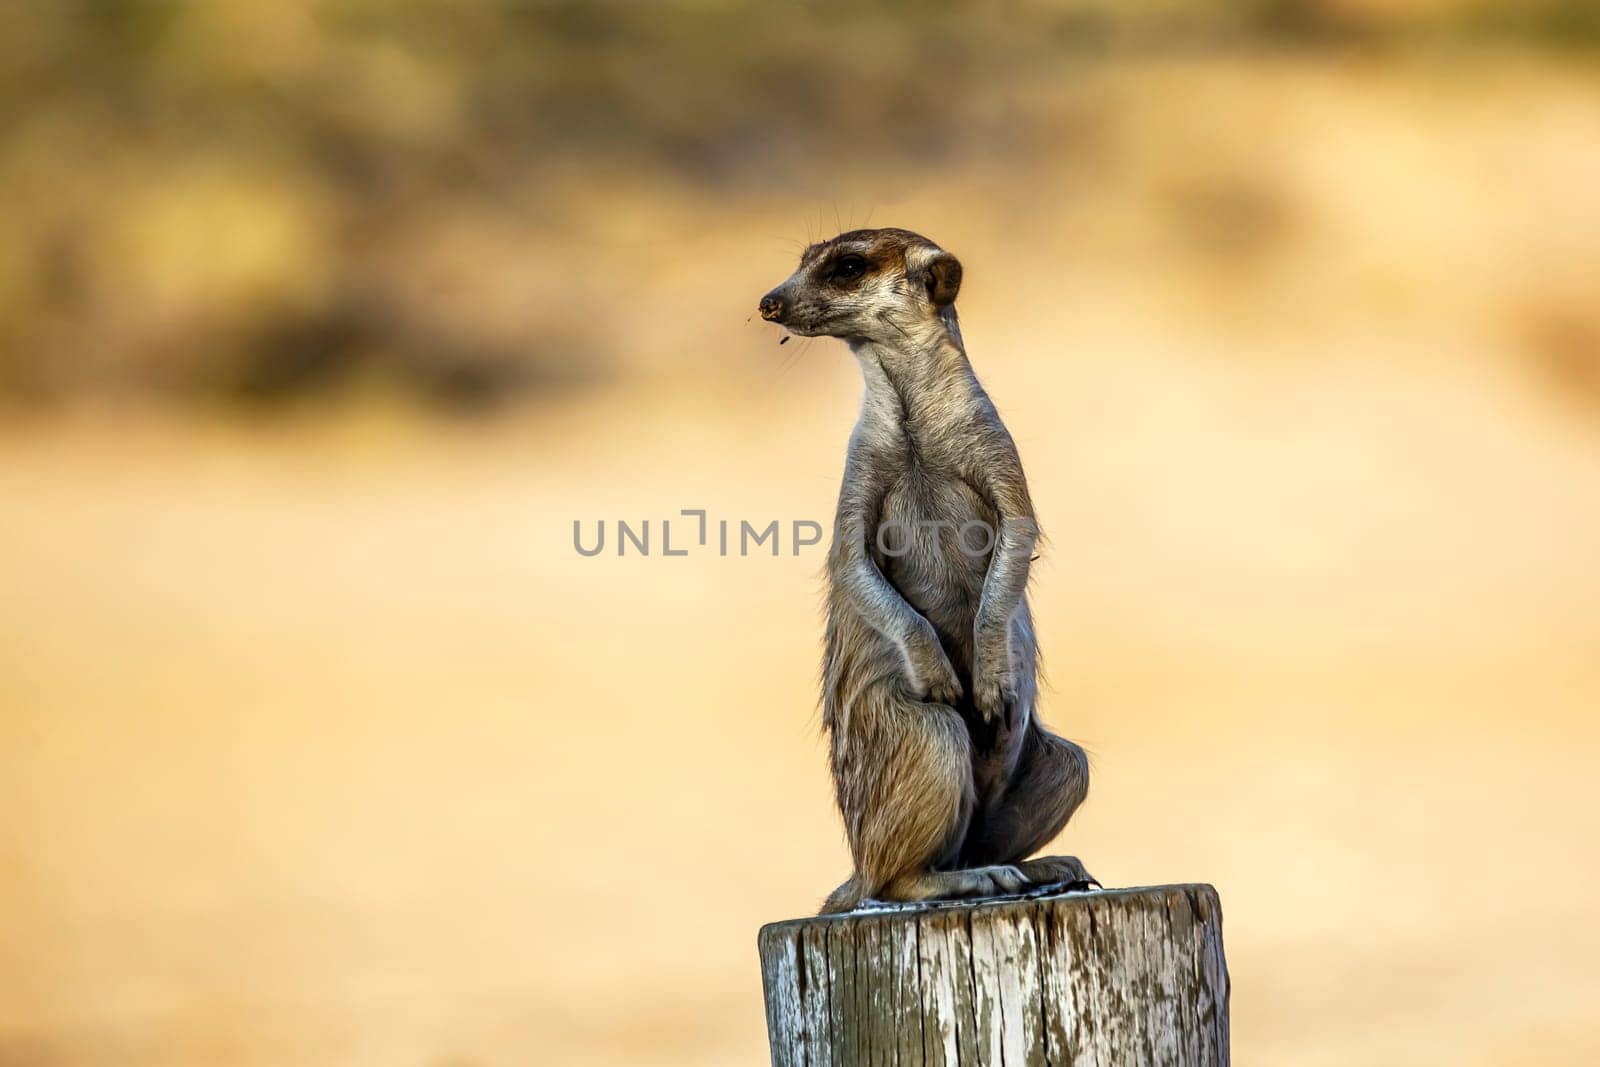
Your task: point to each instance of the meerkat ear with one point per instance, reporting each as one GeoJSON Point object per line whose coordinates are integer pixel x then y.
{"type": "Point", "coordinates": [942, 276]}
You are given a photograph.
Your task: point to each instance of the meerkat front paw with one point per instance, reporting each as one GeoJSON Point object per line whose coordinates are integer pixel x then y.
{"type": "Point", "coordinates": [993, 698]}
{"type": "Point", "coordinates": [938, 684]}
{"type": "Point", "coordinates": [994, 687]}
{"type": "Point", "coordinates": [931, 676]}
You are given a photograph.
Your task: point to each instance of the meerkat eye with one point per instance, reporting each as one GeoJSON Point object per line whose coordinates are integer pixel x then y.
{"type": "Point", "coordinates": [848, 267]}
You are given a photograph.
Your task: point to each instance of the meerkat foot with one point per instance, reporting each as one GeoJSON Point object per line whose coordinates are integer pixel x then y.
{"type": "Point", "coordinates": [1047, 870]}
{"type": "Point", "coordinates": [997, 880]}
{"type": "Point", "coordinates": [1000, 878]}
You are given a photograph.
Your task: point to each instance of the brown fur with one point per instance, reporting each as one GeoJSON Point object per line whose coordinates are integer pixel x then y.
{"type": "Point", "coordinates": [944, 776]}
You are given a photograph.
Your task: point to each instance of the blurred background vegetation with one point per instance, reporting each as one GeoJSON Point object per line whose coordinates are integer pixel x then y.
{"type": "Point", "coordinates": [258, 203]}
{"type": "Point", "coordinates": [321, 322]}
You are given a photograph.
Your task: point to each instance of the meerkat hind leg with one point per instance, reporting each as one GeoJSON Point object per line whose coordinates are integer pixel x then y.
{"type": "Point", "coordinates": [1050, 781]}
{"type": "Point", "coordinates": [908, 806]}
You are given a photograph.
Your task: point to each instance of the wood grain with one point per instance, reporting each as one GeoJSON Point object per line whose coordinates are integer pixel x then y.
{"type": "Point", "coordinates": [1110, 977]}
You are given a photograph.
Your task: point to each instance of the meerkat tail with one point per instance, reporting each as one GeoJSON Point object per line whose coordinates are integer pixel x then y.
{"type": "Point", "coordinates": [845, 898]}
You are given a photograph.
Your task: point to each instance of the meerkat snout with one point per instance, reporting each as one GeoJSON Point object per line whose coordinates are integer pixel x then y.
{"type": "Point", "coordinates": [772, 306]}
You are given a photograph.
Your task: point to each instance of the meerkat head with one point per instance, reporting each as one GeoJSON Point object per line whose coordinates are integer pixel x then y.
{"type": "Point", "coordinates": [867, 285]}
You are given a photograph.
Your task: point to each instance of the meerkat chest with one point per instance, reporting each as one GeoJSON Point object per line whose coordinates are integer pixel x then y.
{"type": "Point", "coordinates": [936, 533]}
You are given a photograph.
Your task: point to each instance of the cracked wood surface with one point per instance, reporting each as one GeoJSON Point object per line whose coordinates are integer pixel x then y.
{"type": "Point", "coordinates": [1112, 977]}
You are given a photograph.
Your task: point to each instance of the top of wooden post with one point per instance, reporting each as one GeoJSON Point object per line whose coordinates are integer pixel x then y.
{"type": "Point", "coordinates": [1106, 976]}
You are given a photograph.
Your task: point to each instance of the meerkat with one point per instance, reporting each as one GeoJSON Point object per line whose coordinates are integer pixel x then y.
{"type": "Point", "coordinates": [944, 775]}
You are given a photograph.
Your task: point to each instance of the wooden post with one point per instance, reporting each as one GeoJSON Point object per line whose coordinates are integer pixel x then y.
{"type": "Point", "coordinates": [1112, 977]}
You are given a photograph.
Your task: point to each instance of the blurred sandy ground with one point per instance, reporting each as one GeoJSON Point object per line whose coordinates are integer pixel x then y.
{"type": "Point", "coordinates": [323, 746]}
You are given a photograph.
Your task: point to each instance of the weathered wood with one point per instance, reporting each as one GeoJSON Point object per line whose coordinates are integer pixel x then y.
{"type": "Point", "coordinates": [1111, 977]}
